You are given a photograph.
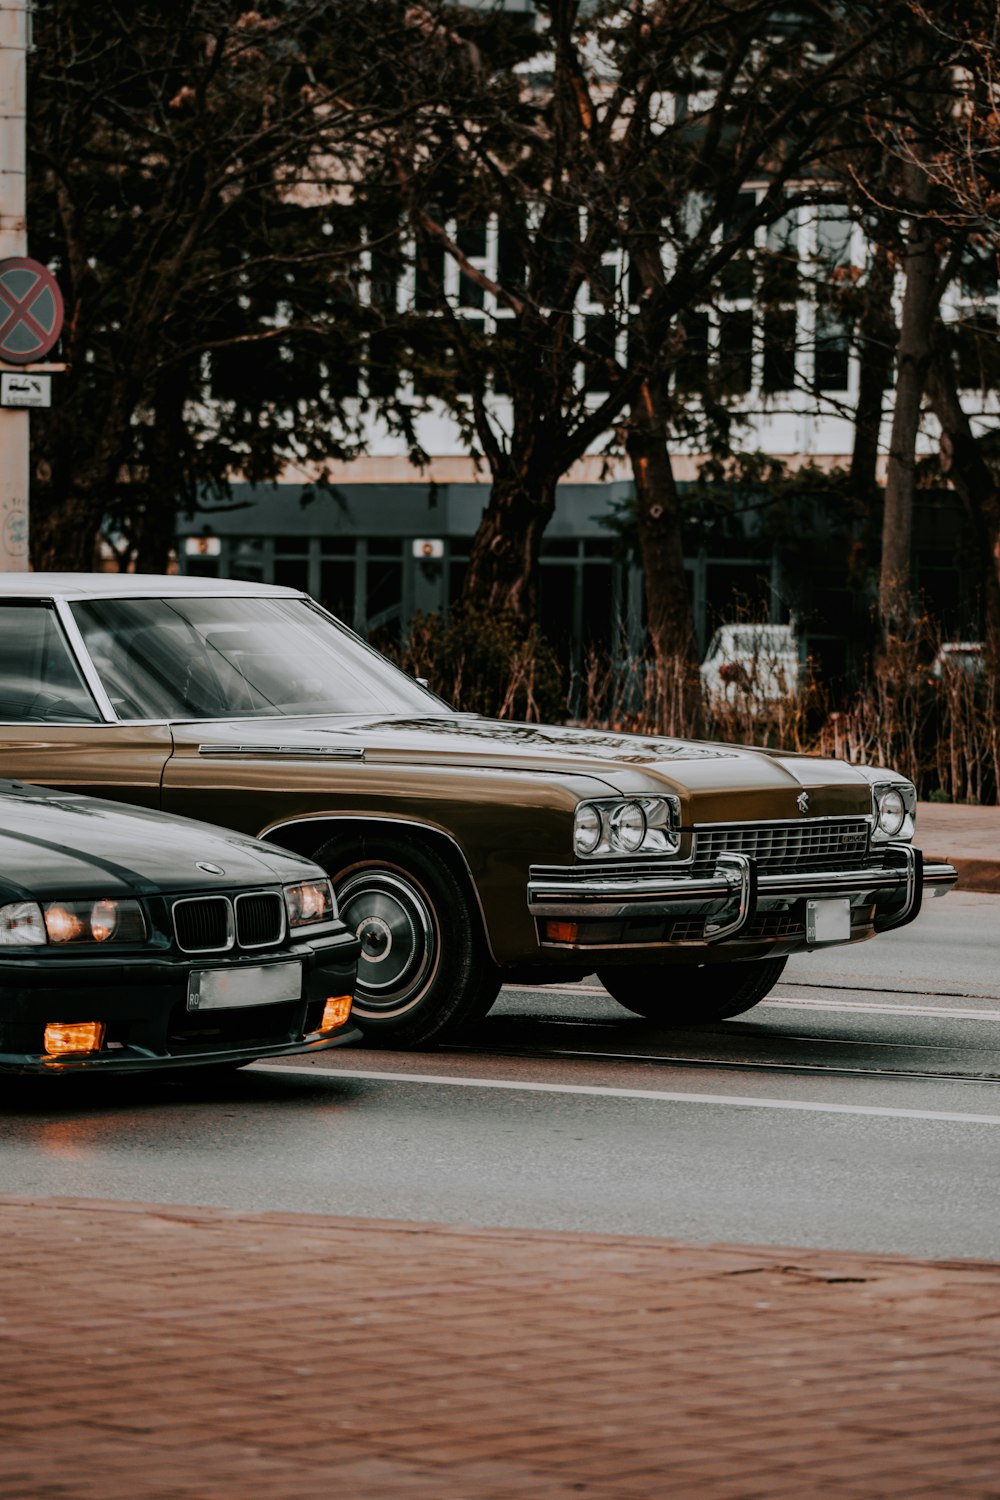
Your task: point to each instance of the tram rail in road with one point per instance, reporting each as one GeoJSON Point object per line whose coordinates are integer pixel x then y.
{"type": "Point", "coordinates": [743, 1032]}
{"type": "Point", "coordinates": [758, 1065]}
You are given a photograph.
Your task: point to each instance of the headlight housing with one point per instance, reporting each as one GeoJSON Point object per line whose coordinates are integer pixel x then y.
{"type": "Point", "coordinates": [310, 904]}
{"type": "Point", "coordinates": [104, 921]}
{"type": "Point", "coordinates": [894, 810]}
{"type": "Point", "coordinates": [627, 825]}
{"type": "Point", "coordinates": [22, 925]}
{"type": "Point", "coordinates": [107, 920]}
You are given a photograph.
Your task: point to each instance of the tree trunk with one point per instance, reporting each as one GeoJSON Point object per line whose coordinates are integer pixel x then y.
{"type": "Point", "coordinates": [503, 568]}
{"type": "Point", "coordinates": [877, 333]}
{"type": "Point", "coordinates": [154, 533]}
{"type": "Point", "coordinates": [668, 609]}
{"type": "Point", "coordinates": [913, 360]}
{"type": "Point", "coordinates": [876, 340]}
{"type": "Point", "coordinates": [963, 463]}
{"type": "Point", "coordinates": [63, 536]}
{"type": "Point", "coordinates": [152, 530]}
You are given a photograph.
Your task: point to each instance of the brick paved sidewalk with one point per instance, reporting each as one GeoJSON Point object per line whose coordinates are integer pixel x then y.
{"type": "Point", "coordinates": [169, 1352]}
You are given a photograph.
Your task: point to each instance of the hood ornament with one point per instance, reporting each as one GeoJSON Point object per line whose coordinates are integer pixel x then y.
{"type": "Point", "coordinates": [802, 802]}
{"type": "Point", "coordinates": [208, 867]}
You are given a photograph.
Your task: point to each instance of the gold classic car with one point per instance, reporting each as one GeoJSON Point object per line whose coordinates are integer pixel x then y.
{"type": "Point", "coordinates": [463, 852]}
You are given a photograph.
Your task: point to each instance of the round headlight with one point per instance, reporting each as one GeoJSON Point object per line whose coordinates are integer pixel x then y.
{"type": "Point", "coordinates": [587, 829]}
{"type": "Point", "coordinates": [891, 811]}
{"type": "Point", "coordinates": [103, 920]}
{"type": "Point", "coordinates": [628, 827]}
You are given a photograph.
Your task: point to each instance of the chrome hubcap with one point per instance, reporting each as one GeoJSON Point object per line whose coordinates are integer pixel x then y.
{"type": "Point", "coordinates": [394, 921]}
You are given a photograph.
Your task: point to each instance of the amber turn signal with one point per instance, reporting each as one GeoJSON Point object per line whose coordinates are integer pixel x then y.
{"type": "Point", "coordinates": [335, 1012]}
{"type": "Point", "coordinates": [562, 932]}
{"type": "Point", "coordinates": [73, 1036]}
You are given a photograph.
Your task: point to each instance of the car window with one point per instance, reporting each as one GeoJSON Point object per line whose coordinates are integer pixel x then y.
{"type": "Point", "coordinates": [210, 658]}
{"type": "Point", "coordinates": [39, 679]}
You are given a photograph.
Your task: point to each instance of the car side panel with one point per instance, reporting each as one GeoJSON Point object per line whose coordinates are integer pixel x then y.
{"type": "Point", "coordinates": [501, 823]}
{"type": "Point", "coordinates": [121, 761]}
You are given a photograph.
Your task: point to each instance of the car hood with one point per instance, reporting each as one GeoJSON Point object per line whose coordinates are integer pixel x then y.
{"type": "Point", "coordinates": [61, 844]}
{"type": "Point", "coordinates": [703, 774]}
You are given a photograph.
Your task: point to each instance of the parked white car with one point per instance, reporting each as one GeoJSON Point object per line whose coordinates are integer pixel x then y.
{"type": "Point", "coordinates": [960, 656]}
{"type": "Point", "coordinates": [757, 661]}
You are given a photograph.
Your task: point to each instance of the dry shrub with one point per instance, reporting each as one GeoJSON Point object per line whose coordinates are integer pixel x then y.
{"type": "Point", "coordinates": [887, 724]}
{"type": "Point", "coordinates": [636, 695]}
{"type": "Point", "coordinates": [967, 743]}
{"type": "Point", "coordinates": [485, 663]}
{"type": "Point", "coordinates": [941, 729]}
{"type": "Point", "coordinates": [640, 695]}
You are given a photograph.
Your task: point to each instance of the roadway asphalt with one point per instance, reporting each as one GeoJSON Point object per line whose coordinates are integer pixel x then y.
{"type": "Point", "coordinates": [859, 1111]}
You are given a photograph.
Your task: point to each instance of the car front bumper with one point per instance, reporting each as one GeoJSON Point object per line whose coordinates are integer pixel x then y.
{"type": "Point", "coordinates": [735, 904]}
{"type": "Point", "coordinates": [142, 1001]}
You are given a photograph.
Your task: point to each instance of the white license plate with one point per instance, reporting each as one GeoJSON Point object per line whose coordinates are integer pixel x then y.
{"type": "Point", "coordinates": [227, 989]}
{"type": "Point", "coordinates": [828, 921]}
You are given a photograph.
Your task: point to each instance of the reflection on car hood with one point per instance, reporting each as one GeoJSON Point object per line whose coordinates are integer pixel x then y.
{"type": "Point", "coordinates": [626, 762]}
{"type": "Point", "coordinates": [58, 843]}
{"type": "Point", "coordinates": [493, 741]}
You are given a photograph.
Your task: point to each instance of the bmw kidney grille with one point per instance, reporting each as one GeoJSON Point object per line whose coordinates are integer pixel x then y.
{"type": "Point", "coordinates": [214, 924]}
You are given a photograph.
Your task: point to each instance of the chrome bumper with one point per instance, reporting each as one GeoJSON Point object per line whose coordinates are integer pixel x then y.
{"type": "Point", "coordinates": [736, 890]}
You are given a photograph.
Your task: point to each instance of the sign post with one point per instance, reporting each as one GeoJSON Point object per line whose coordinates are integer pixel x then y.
{"type": "Point", "coordinates": [14, 448]}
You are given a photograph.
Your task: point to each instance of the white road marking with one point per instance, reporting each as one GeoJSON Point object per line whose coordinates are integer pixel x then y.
{"type": "Point", "coordinates": [662, 1096]}
{"type": "Point", "coordinates": [802, 1002]}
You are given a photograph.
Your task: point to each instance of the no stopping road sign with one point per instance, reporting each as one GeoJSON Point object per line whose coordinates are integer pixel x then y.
{"type": "Point", "coordinates": [31, 310]}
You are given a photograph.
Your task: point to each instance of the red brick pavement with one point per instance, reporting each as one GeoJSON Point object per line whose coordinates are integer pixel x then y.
{"type": "Point", "coordinates": [152, 1351]}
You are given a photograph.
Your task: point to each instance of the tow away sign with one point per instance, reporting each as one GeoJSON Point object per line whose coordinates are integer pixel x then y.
{"type": "Point", "coordinates": [25, 390]}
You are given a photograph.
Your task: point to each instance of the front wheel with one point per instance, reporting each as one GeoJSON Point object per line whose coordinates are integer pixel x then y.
{"type": "Point", "coordinates": [681, 995]}
{"type": "Point", "coordinates": [424, 970]}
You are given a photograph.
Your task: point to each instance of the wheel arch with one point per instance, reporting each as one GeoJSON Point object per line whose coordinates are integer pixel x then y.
{"type": "Point", "coordinates": [307, 834]}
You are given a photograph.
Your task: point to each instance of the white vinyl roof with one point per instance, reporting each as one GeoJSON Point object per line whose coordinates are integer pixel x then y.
{"type": "Point", "coordinates": [129, 586]}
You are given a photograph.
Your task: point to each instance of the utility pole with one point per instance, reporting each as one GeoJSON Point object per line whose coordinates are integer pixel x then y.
{"type": "Point", "coordinates": [14, 431]}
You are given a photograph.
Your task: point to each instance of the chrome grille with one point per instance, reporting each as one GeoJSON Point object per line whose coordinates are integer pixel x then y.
{"type": "Point", "coordinates": [260, 919]}
{"type": "Point", "coordinates": [783, 848]}
{"type": "Point", "coordinates": [203, 924]}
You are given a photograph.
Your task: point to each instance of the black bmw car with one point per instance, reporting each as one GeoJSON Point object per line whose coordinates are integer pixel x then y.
{"type": "Point", "coordinates": [130, 941]}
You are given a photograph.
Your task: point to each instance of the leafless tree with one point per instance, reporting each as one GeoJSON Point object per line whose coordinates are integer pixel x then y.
{"type": "Point", "coordinates": [629, 154]}
{"type": "Point", "coordinates": [188, 176]}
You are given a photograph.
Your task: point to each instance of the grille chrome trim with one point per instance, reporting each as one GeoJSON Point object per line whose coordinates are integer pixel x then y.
{"type": "Point", "coordinates": [785, 847]}
{"type": "Point", "coordinates": [206, 901]}
{"type": "Point", "coordinates": [243, 919]}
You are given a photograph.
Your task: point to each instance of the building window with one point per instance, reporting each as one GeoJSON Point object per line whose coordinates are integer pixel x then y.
{"type": "Point", "coordinates": [383, 603]}
{"type": "Point", "coordinates": [735, 358]}
{"type": "Point", "coordinates": [832, 270]}
{"type": "Point", "coordinates": [779, 295]}
{"type": "Point", "coordinates": [247, 560]}
{"type": "Point", "coordinates": [975, 319]}
{"type": "Point", "coordinates": [338, 580]}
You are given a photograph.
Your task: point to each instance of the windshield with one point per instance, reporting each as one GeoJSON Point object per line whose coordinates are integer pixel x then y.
{"type": "Point", "coordinates": [205, 658]}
